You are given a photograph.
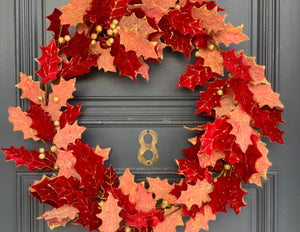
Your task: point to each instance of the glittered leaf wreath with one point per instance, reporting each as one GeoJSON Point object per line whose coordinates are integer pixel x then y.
{"type": "Point", "coordinates": [126, 35]}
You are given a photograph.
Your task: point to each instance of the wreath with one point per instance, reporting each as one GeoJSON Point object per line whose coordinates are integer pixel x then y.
{"type": "Point", "coordinates": [126, 35]}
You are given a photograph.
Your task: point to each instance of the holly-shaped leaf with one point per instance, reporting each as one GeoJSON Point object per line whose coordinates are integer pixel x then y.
{"type": "Point", "coordinates": [230, 34]}
{"type": "Point", "coordinates": [66, 162]}
{"type": "Point", "coordinates": [196, 194]}
{"type": "Point", "coordinates": [144, 199]}
{"type": "Point", "coordinates": [196, 74]}
{"type": "Point", "coordinates": [49, 62]}
{"type": "Point", "coordinates": [128, 185]}
{"type": "Point", "coordinates": [110, 215]}
{"type": "Point", "coordinates": [60, 216]}
{"type": "Point", "coordinates": [227, 190]}
{"type": "Point", "coordinates": [22, 122]}
{"type": "Point", "coordinates": [70, 115]}
{"type": "Point", "coordinates": [200, 221]}
{"type": "Point", "coordinates": [41, 122]}
{"type": "Point", "coordinates": [30, 89]}
{"type": "Point", "coordinates": [256, 72]}
{"type": "Point", "coordinates": [212, 59]}
{"type": "Point", "coordinates": [105, 60]}
{"type": "Point", "coordinates": [74, 12]}
{"type": "Point", "coordinates": [55, 24]}
{"type": "Point", "coordinates": [31, 159]}
{"type": "Point", "coordinates": [265, 96]}
{"type": "Point", "coordinates": [59, 97]}
{"type": "Point", "coordinates": [170, 223]}
{"type": "Point", "coordinates": [206, 160]}
{"type": "Point", "coordinates": [68, 135]}
{"type": "Point", "coordinates": [241, 128]}
{"type": "Point", "coordinates": [161, 189]}
{"type": "Point", "coordinates": [209, 19]}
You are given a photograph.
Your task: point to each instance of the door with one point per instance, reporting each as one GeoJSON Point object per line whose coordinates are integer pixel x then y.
{"type": "Point", "coordinates": [116, 110]}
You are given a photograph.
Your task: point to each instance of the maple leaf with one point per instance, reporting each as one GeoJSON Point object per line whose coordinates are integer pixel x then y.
{"type": "Point", "coordinates": [206, 160]}
{"type": "Point", "coordinates": [156, 8]}
{"type": "Point", "coordinates": [59, 96]}
{"type": "Point", "coordinates": [210, 98]}
{"type": "Point", "coordinates": [110, 215]}
{"type": "Point", "coordinates": [74, 12]}
{"type": "Point", "coordinates": [30, 89]}
{"type": "Point", "coordinates": [70, 115]}
{"type": "Point", "coordinates": [128, 185]}
{"type": "Point", "coordinates": [22, 122]}
{"type": "Point", "coordinates": [173, 38]}
{"type": "Point", "coordinates": [55, 191]}
{"type": "Point", "coordinates": [171, 221]}
{"type": "Point", "coordinates": [246, 167]}
{"type": "Point", "coordinates": [242, 94]}
{"type": "Point", "coordinates": [266, 120]}
{"type": "Point", "coordinates": [234, 63]}
{"type": "Point", "coordinates": [227, 105]}
{"type": "Point", "coordinates": [195, 195]}
{"type": "Point", "coordinates": [143, 70]}
{"type": "Point", "coordinates": [200, 221]}
{"type": "Point", "coordinates": [89, 166]}
{"type": "Point", "coordinates": [88, 209]}
{"type": "Point", "coordinates": [103, 12]}
{"type": "Point", "coordinates": [66, 161]}
{"type": "Point", "coordinates": [136, 42]}
{"type": "Point", "coordinates": [196, 74]}
{"type": "Point", "coordinates": [212, 59]}
{"type": "Point", "coordinates": [41, 122]}
{"type": "Point", "coordinates": [104, 153]}
{"type": "Point", "coordinates": [55, 24]}
{"type": "Point", "coordinates": [60, 216]}
{"type": "Point", "coordinates": [262, 164]}
{"type": "Point", "coordinates": [230, 34]}
{"type": "Point", "coordinates": [161, 189]}
{"type": "Point", "coordinates": [144, 199]}
{"type": "Point", "coordinates": [209, 19]}
{"type": "Point", "coordinates": [68, 135]}
{"type": "Point", "coordinates": [105, 60]}
{"type": "Point", "coordinates": [256, 72]}
{"type": "Point", "coordinates": [145, 220]}
{"type": "Point", "coordinates": [227, 190]}
{"type": "Point", "coordinates": [184, 23]}
{"type": "Point", "coordinates": [49, 62]}
{"type": "Point", "coordinates": [127, 62]}
{"type": "Point", "coordinates": [264, 95]}
{"type": "Point", "coordinates": [241, 128]}
{"type": "Point", "coordinates": [31, 159]}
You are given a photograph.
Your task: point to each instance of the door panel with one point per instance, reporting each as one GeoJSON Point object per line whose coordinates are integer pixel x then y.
{"type": "Point", "coordinates": [116, 110]}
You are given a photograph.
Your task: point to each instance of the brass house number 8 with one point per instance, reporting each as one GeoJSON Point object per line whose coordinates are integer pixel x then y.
{"type": "Point", "coordinates": [148, 147]}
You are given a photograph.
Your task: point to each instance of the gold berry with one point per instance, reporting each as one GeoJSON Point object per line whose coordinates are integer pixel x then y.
{"type": "Point", "coordinates": [42, 156]}
{"type": "Point", "coordinates": [110, 32]}
{"type": "Point", "coordinates": [40, 98]}
{"type": "Point", "coordinates": [42, 150]}
{"type": "Point", "coordinates": [197, 54]}
{"type": "Point", "coordinates": [111, 40]}
{"type": "Point", "coordinates": [115, 21]}
{"type": "Point", "coordinates": [164, 204]}
{"type": "Point", "coordinates": [115, 31]}
{"type": "Point", "coordinates": [227, 167]}
{"type": "Point", "coordinates": [55, 99]}
{"type": "Point", "coordinates": [61, 40]}
{"type": "Point", "coordinates": [99, 28]}
{"type": "Point", "coordinates": [94, 36]}
{"type": "Point", "coordinates": [55, 167]}
{"type": "Point", "coordinates": [53, 148]}
{"type": "Point", "coordinates": [215, 179]}
{"type": "Point", "coordinates": [127, 229]}
{"type": "Point", "coordinates": [67, 38]}
{"type": "Point", "coordinates": [93, 42]}
{"type": "Point", "coordinates": [112, 26]}
{"type": "Point", "coordinates": [211, 47]}
{"type": "Point", "coordinates": [220, 92]}
{"type": "Point", "coordinates": [56, 123]}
